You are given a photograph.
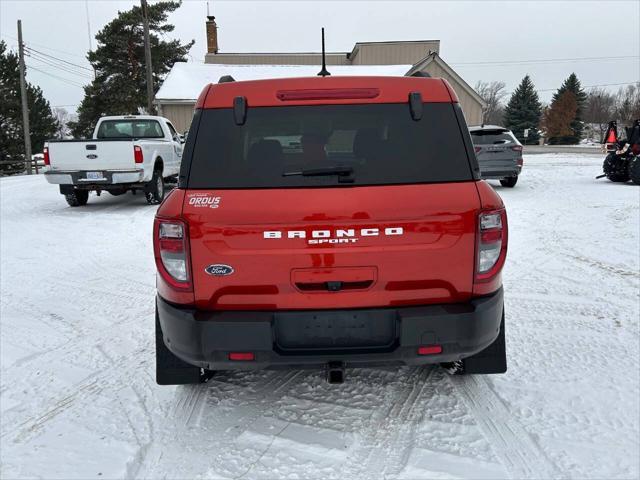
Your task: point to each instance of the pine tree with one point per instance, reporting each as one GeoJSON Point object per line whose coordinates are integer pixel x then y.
{"type": "Point", "coordinates": [43, 125]}
{"type": "Point", "coordinates": [558, 117]}
{"type": "Point", "coordinates": [571, 84]}
{"type": "Point", "coordinates": [120, 85]}
{"type": "Point", "coordinates": [524, 111]}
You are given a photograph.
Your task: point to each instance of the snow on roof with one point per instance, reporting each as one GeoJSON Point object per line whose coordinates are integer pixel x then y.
{"type": "Point", "coordinates": [186, 80]}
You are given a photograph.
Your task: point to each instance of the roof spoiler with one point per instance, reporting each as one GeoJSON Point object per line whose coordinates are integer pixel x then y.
{"type": "Point", "coordinates": [226, 79]}
{"type": "Point", "coordinates": [418, 73]}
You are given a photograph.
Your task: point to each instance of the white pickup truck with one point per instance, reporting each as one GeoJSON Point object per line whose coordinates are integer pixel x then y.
{"type": "Point", "coordinates": [126, 153]}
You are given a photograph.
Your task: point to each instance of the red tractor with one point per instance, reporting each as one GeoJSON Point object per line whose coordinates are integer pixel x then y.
{"type": "Point", "coordinates": [623, 160]}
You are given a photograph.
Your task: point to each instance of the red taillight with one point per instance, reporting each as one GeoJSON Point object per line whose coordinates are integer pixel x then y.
{"type": "Point", "coordinates": [477, 149]}
{"type": "Point", "coordinates": [520, 162]}
{"type": "Point", "coordinates": [492, 244]}
{"type": "Point", "coordinates": [517, 148]}
{"type": "Point", "coordinates": [241, 356]}
{"type": "Point", "coordinates": [137, 154]}
{"type": "Point", "coordinates": [327, 94]}
{"type": "Point", "coordinates": [45, 152]}
{"type": "Point", "coordinates": [430, 350]}
{"type": "Point", "coordinates": [171, 248]}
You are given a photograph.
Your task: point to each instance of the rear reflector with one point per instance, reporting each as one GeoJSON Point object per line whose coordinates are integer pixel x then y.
{"type": "Point", "coordinates": [45, 152]}
{"type": "Point", "coordinates": [242, 356]}
{"type": "Point", "coordinates": [137, 154]}
{"type": "Point", "coordinates": [430, 350]}
{"type": "Point", "coordinates": [327, 94]}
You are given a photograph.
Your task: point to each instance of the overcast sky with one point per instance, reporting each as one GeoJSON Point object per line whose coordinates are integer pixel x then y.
{"type": "Point", "coordinates": [470, 32]}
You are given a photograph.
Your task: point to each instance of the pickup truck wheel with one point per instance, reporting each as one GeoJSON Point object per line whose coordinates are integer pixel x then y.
{"type": "Point", "coordinates": [170, 370]}
{"type": "Point", "coordinates": [634, 170]}
{"type": "Point", "coordinates": [155, 194]}
{"type": "Point", "coordinates": [509, 181]}
{"type": "Point", "coordinates": [78, 198]}
{"type": "Point", "coordinates": [492, 359]}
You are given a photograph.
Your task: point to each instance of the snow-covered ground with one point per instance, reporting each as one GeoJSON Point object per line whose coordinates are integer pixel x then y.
{"type": "Point", "coordinates": [78, 397]}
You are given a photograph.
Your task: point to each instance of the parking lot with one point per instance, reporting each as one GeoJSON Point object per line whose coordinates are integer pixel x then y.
{"type": "Point", "coordinates": [79, 398]}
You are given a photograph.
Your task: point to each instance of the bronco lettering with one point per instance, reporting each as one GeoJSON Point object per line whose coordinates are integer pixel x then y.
{"type": "Point", "coordinates": [339, 234]}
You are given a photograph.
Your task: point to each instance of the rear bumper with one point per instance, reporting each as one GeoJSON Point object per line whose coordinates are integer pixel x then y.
{"type": "Point", "coordinates": [205, 339]}
{"type": "Point", "coordinates": [79, 177]}
{"type": "Point", "coordinates": [497, 174]}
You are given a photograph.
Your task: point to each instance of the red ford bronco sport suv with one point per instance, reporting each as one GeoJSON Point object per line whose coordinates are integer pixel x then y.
{"type": "Point", "coordinates": [329, 221]}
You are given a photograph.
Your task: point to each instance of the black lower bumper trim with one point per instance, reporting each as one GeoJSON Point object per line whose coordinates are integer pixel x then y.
{"type": "Point", "coordinates": [205, 338]}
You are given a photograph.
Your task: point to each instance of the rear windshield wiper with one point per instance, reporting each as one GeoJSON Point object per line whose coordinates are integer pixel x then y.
{"type": "Point", "coordinates": [316, 172]}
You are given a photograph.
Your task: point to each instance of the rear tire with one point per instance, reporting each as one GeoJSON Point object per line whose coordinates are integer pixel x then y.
{"type": "Point", "coordinates": [634, 170]}
{"type": "Point", "coordinates": [492, 359]}
{"type": "Point", "coordinates": [509, 182]}
{"type": "Point", "coordinates": [170, 370]}
{"type": "Point", "coordinates": [78, 198]}
{"type": "Point", "coordinates": [155, 192]}
{"type": "Point", "coordinates": [615, 169]}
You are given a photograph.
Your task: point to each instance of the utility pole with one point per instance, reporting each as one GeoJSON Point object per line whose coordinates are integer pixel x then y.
{"type": "Point", "coordinates": [25, 105]}
{"type": "Point", "coordinates": [147, 56]}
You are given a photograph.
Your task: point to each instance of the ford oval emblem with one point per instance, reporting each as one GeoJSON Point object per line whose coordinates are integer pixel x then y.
{"type": "Point", "coordinates": [219, 270]}
{"type": "Point", "coordinates": [92, 156]}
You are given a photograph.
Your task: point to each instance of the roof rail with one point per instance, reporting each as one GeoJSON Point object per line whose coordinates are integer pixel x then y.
{"type": "Point", "coordinates": [226, 79]}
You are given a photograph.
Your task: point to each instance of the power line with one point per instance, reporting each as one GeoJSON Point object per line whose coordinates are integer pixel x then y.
{"type": "Point", "coordinates": [584, 86]}
{"type": "Point", "coordinates": [543, 61]}
{"type": "Point", "coordinates": [48, 63]}
{"type": "Point", "coordinates": [30, 50]}
{"type": "Point", "coordinates": [46, 47]}
{"type": "Point", "coordinates": [592, 86]}
{"type": "Point", "coordinates": [65, 80]}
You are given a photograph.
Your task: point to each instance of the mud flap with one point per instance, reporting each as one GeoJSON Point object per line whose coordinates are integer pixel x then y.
{"type": "Point", "coordinates": [170, 370]}
{"type": "Point", "coordinates": [492, 359]}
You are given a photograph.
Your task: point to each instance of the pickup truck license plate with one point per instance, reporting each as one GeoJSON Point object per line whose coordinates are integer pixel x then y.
{"type": "Point", "coordinates": [94, 176]}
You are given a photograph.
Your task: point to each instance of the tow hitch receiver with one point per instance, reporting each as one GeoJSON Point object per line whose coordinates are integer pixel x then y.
{"type": "Point", "coordinates": [335, 372]}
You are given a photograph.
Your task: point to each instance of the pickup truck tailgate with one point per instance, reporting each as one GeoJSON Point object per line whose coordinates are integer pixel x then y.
{"type": "Point", "coordinates": [91, 155]}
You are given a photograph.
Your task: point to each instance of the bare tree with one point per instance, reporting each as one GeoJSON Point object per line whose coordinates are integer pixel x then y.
{"type": "Point", "coordinates": [493, 94]}
{"type": "Point", "coordinates": [627, 107]}
{"type": "Point", "coordinates": [63, 117]}
{"type": "Point", "coordinates": [599, 110]}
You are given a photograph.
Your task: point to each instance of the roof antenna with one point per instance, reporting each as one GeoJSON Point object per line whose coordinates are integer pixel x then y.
{"type": "Point", "coordinates": [324, 72]}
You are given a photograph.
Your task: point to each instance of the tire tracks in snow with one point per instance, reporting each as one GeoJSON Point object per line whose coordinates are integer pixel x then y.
{"type": "Point", "coordinates": [89, 387]}
{"type": "Point", "coordinates": [387, 440]}
{"type": "Point", "coordinates": [186, 410]}
{"type": "Point", "coordinates": [513, 446]}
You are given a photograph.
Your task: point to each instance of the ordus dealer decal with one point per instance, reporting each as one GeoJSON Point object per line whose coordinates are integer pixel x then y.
{"type": "Point", "coordinates": [346, 235]}
{"type": "Point", "coordinates": [219, 270]}
{"type": "Point", "coordinates": [204, 200]}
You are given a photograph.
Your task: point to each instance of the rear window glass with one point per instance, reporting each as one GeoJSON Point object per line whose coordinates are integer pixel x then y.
{"type": "Point", "coordinates": [130, 129]}
{"type": "Point", "coordinates": [374, 144]}
{"type": "Point", "coordinates": [492, 137]}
